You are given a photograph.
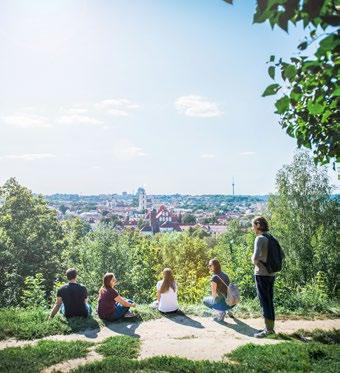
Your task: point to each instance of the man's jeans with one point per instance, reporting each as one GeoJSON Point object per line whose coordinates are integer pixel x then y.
{"type": "Point", "coordinates": [265, 292]}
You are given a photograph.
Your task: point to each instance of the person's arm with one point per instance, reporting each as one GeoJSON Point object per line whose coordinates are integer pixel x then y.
{"type": "Point", "coordinates": [56, 307]}
{"type": "Point", "coordinates": [257, 250]}
{"type": "Point", "coordinates": [123, 302]}
{"type": "Point", "coordinates": [213, 289]}
{"type": "Point", "coordinates": [158, 295]}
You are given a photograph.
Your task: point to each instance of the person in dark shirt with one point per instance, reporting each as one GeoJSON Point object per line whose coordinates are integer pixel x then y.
{"type": "Point", "coordinates": [111, 306]}
{"type": "Point", "coordinates": [72, 298]}
{"type": "Point", "coordinates": [219, 289]}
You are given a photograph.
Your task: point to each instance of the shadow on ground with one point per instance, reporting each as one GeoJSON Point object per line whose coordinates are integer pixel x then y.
{"type": "Point", "coordinates": [240, 327]}
{"type": "Point", "coordinates": [181, 318]}
{"type": "Point", "coordinates": [124, 327]}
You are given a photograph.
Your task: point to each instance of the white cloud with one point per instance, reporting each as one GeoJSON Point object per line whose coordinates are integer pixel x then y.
{"type": "Point", "coordinates": [120, 107]}
{"type": "Point", "coordinates": [125, 150]}
{"type": "Point", "coordinates": [247, 153]}
{"type": "Point", "coordinates": [75, 109]}
{"type": "Point", "coordinates": [197, 106]}
{"type": "Point", "coordinates": [78, 119]}
{"type": "Point", "coordinates": [207, 156]}
{"type": "Point", "coordinates": [25, 120]}
{"type": "Point", "coordinates": [28, 157]}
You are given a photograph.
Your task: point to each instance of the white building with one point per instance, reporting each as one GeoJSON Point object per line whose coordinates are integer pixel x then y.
{"type": "Point", "coordinates": [142, 200]}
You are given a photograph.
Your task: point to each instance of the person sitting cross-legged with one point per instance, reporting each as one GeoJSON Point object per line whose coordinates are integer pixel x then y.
{"type": "Point", "coordinates": [167, 293]}
{"type": "Point", "coordinates": [71, 298]}
{"type": "Point", "coordinates": [111, 306]}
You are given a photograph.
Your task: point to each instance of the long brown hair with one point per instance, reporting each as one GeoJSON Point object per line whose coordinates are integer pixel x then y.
{"type": "Point", "coordinates": [107, 282]}
{"type": "Point", "coordinates": [168, 281]}
{"type": "Point", "coordinates": [216, 265]}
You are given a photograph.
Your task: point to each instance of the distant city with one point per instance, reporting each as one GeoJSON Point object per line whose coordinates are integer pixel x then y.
{"type": "Point", "coordinates": [151, 214]}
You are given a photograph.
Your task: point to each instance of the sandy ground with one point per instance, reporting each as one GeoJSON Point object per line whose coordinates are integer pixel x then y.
{"type": "Point", "coordinates": [191, 337]}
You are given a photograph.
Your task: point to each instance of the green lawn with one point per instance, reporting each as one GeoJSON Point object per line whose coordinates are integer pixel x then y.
{"type": "Point", "coordinates": [43, 354]}
{"type": "Point", "coordinates": [122, 346]}
{"type": "Point", "coordinates": [33, 324]}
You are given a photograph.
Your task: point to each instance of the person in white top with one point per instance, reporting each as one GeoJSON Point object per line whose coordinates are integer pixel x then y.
{"type": "Point", "coordinates": [167, 293]}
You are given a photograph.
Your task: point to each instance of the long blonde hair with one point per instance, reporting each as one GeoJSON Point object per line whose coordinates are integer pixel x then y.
{"type": "Point", "coordinates": [168, 281]}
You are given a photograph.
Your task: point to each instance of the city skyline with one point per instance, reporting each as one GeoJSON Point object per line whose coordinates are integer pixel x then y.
{"type": "Point", "coordinates": [108, 96]}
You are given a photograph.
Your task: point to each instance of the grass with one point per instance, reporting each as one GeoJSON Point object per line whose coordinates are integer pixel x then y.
{"type": "Point", "coordinates": [288, 357]}
{"type": "Point", "coordinates": [317, 335]}
{"type": "Point", "coordinates": [121, 346]}
{"type": "Point", "coordinates": [321, 354]}
{"type": "Point", "coordinates": [33, 323]}
{"type": "Point", "coordinates": [292, 356]}
{"type": "Point", "coordinates": [43, 354]}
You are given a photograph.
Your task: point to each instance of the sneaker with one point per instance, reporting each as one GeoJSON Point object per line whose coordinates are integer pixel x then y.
{"type": "Point", "coordinates": [219, 316]}
{"type": "Point", "coordinates": [129, 314]}
{"type": "Point", "coordinates": [264, 333]}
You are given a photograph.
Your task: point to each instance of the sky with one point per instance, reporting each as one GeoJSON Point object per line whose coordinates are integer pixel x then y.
{"type": "Point", "coordinates": [105, 96]}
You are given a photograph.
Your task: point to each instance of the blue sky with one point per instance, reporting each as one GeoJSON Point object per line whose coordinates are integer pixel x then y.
{"type": "Point", "coordinates": [104, 96]}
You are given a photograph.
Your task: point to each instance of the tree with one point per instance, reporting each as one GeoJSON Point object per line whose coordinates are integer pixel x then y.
{"type": "Point", "coordinates": [189, 219]}
{"type": "Point", "coordinates": [309, 104]}
{"type": "Point", "coordinates": [31, 240]}
{"type": "Point", "coordinates": [304, 218]}
{"type": "Point", "coordinates": [63, 209]}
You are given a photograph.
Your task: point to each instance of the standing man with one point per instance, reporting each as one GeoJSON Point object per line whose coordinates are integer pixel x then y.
{"type": "Point", "coordinates": [72, 298]}
{"type": "Point", "coordinates": [263, 278]}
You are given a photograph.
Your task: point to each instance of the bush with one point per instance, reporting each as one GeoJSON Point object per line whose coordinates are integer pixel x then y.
{"type": "Point", "coordinates": [34, 293]}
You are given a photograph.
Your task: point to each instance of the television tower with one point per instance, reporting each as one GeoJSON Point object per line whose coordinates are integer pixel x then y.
{"type": "Point", "coordinates": [233, 184]}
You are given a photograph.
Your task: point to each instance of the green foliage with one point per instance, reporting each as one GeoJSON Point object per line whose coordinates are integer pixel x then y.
{"type": "Point", "coordinates": [304, 219]}
{"type": "Point", "coordinates": [189, 219]}
{"type": "Point", "coordinates": [34, 293]}
{"type": "Point", "coordinates": [31, 241]}
{"type": "Point", "coordinates": [122, 346]}
{"type": "Point", "coordinates": [309, 104]}
{"type": "Point", "coordinates": [43, 354]}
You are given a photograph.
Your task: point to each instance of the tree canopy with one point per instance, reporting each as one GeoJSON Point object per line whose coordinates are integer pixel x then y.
{"type": "Point", "coordinates": [307, 85]}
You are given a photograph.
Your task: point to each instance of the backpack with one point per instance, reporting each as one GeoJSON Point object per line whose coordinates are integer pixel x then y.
{"type": "Point", "coordinates": [275, 254]}
{"type": "Point", "coordinates": [233, 294]}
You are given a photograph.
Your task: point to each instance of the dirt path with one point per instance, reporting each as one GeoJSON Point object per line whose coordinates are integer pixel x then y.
{"type": "Point", "coordinates": [190, 337]}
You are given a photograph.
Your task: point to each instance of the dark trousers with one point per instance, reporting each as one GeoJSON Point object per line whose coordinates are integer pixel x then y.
{"type": "Point", "coordinates": [265, 292]}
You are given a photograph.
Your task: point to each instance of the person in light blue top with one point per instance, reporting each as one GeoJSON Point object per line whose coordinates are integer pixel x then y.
{"type": "Point", "coordinates": [219, 289]}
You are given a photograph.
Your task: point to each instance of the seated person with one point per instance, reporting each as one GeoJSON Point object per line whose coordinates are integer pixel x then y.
{"type": "Point", "coordinates": [219, 289]}
{"type": "Point", "coordinates": [72, 298]}
{"type": "Point", "coordinates": [167, 293]}
{"type": "Point", "coordinates": [111, 306]}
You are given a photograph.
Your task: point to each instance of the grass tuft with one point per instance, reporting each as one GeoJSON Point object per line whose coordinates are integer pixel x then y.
{"type": "Point", "coordinates": [33, 324]}
{"type": "Point", "coordinates": [45, 353]}
{"type": "Point", "coordinates": [120, 346]}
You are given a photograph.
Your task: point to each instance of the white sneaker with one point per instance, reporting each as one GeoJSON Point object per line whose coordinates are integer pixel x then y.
{"type": "Point", "coordinates": [264, 333]}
